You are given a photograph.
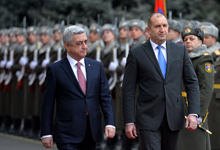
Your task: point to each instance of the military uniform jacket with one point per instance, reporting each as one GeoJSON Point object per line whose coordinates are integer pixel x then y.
{"type": "Point", "coordinates": [54, 51]}
{"type": "Point", "coordinates": [204, 68]}
{"type": "Point", "coordinates": [92, 47]}
{"type": "Point", "coordinates": [107, 57]}
{"type": "Point", "coordinates": [138, 42]}
{"type": "Point", "coordinates": [214, 50]}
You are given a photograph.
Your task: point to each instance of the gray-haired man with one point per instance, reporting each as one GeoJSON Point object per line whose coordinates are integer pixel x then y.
{"type": "Point", "coordinates": [80, 87]}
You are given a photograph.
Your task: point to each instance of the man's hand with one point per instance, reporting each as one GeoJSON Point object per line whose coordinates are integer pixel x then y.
{"type": "Point", "coordinates": [109, 132]}
{"type": "Point", "coordinates": [130, 131]}
{"type": "Point", "coordinates": [191, 122]}
{"type": "Point", "coordinates": [47, 142]}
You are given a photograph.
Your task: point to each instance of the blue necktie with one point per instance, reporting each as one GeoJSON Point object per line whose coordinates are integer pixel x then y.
{"type": "Point", "coordinates": [162, 61]}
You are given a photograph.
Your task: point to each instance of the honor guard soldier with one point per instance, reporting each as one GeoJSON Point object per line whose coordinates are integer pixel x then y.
{"type": "Point", "coordinates": [8, 80]}
{"type": "Point", "coordinates": [95, 44]}
{"type": "Point", "coordinates": [174, 31]}
{"type": "Point", "coordinates": [84, 27]}
{"type": "Point", "coordinates": [4, 39]}
{"type": "Point", "coordinates": [214, 109]}
{"type": "Point", "coordinates": [33, 46]}
{"type": "Point", "coordinates": [17, 67]}
{"type": "Point", "coordinates": [203, 64]}
{"type": "Point", "coordinates": [110, 63]}
{"type": "Point", "coordinates": [137, 30]}
{"type": "Point", "coordinates": [210, 39]}
{"type": "Point", "coordinates": [39, 67]}
{"type": "Point", "coordinates": [57, 51]}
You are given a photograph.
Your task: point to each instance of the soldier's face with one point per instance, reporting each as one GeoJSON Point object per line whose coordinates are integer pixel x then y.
{"type": "Point", "coordinates": [78, 49]}
{"type": "Point", "coordinates": [136, 33]}
{"type": "Point", "coordinates": [158, 29]}
{"type": "Point", "coordinates": [209, 40]}
{"type": "Point", "coordinates": [20, 39]}
{"type": "Point", "coordinates": [192, 42]}
{"type": "Point", "coordinates": [108, 36]}
{"type": "Point", "coordinates": [93, 36]}
{"type": "Point", "coordinates": [123, 33]}
{"type": "Point", "coordinates": [44, 38]}
{"type": "Point", "coordinates": [172, 34]}
{"type": "Point", "coordinates": [31, 38]}
{"type": "Point", "coordinates": [57, 36]}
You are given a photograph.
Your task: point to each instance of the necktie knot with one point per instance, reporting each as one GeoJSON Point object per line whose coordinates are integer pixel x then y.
{"type": "Point", "coordinates": [78, 65]}
{"type": "Point", "coordinates": [159, 47]}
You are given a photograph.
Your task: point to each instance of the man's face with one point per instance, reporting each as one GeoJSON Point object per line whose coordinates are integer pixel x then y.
{"type": "Point", "coordinates": [172, 34]}
{"type": "Point", "coordinates": [78, 48]}
{"type": "Point", "coordinates": [209, 40]}
{"type": "Point", "coordinates": [136, 33]}
{"type": "Point", "coordinates": [192, 42]}
{"type": "Point", "coordinates": [57, 36]}
{"type": "Point", "coordinates": [123, 33]}
{"type": "Point", "coordinates": [158, 29]}
{"type": "Point", "coordinates": [94, 36]}
{"type": "Point", "coordinates": [20, 39]}
{"type": "Point", "coordinates": [31, 38]}
{"type": "Point", "coordinates": [44, 38]}
{"type": "Point", "coordinates": [108, 36]}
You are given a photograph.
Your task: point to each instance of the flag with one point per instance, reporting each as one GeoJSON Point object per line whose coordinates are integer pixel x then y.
{"type": "Point", "coordinates": [160, 6]}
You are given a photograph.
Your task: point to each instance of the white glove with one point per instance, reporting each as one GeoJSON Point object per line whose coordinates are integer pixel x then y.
{"type": "Point", "coordinates": [3, 63]}
{"type": "Point", "coordinates": [113, 66]}
{"type": "Point", "coordinates": [199, 120]}
{"type": "Point", "coordinates": [9, 64]}
{"type": "Point", "coordinates": [40, 76]}
{"type": "Point", "coordinates": [33, 64]}
{"type": "Point", "coordinates": [23, 61]}
{"type": "Point", "coordinates": [30, 76]}
{"type": "Point", "coordinates": [45, 62]}
{"type": "Point", "coordinates": [18, 73]}
{"type": "Point", "coordinates": [123, 61]}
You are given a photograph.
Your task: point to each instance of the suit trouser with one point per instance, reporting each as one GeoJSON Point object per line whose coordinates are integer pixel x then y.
{"type": "Point", "coordinates": [87, 144]}
{"type": "Point", "coordinates": [161, 139]}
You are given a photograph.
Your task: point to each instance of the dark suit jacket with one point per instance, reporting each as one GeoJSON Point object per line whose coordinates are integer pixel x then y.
{"type": "Point", "coordinates": [156, 94]}
{"type": "Point", "coordinates": [62, 85]}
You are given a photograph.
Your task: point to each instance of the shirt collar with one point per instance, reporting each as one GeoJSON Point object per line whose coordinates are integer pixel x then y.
{"type": "Point", "coordinates": [154, 45]}
{"type": "Point", "coordinates": [73, 61]}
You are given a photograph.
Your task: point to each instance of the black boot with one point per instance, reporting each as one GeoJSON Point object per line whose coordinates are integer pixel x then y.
{"type": "Point", "coordinates": [7, 124]}
{"type": "Point", "coordinates": [16, 129]}
{"type": "Point", "coordinates": [27, 128]}
{"type": "Point", "coordinates": [35, 133]}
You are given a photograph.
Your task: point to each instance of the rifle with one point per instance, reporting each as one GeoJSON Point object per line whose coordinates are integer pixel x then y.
{"type": "Point", "coordinates": [9, 75]}
{"type": "Point", "coordinates": [3, 62]}
{"type": "Point", "coordinates": [98, 50]}
{"type": "Point", "coordinates": [113, 83]}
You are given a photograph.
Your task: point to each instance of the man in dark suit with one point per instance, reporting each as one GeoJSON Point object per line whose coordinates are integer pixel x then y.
{"type": "Point", "coordinates": [80, 87]}
{"type": "Point", "coordinates": [158, 67]}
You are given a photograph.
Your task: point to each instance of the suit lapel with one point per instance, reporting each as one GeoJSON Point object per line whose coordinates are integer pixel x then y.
{"type": "Point", "coordinates": [88, 71]}
{"type": "Point", "coordinates": [69, 72]}
{"type": "Point", "coordinates": [170, 51]}
{"type": "Point", "coordinates": [150, 53]}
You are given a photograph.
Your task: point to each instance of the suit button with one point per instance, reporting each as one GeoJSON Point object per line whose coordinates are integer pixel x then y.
{"type": "Point", "coordinates": [86, 99]}
{"type": "Point", "coordinates": [84, 113]}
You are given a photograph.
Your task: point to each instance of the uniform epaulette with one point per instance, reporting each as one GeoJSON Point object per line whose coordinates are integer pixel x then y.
{"type": "Point", "coordinates": [38, 47]}
{"type": "Point", "coordinates": [217, 52]}
{"type": "Point", "coordinates": [143, 42]}
{"type": "Point", "coordinates": [97, 47]}
{"type": "Point", "coordinates": [205, 54]}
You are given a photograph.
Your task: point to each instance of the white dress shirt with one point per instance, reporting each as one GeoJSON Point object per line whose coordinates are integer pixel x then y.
{"type": "Point", "coordinates": [156, 50]}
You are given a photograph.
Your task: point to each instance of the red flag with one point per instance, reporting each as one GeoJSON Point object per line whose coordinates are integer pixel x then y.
{"type": "Point", "coordinates": [160, 6]}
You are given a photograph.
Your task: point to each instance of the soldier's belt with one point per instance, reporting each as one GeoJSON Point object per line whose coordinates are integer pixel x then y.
{"type": "Point", "coordinates": [216, 86]}
{"type": "Point", "coordinates": [184, 94]}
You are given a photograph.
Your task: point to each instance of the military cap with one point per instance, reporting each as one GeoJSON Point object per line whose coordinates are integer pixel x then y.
{"type": "Point", "coordinates": [123, 24]}
{"type": "Point", "coordinates": [209, 28]}
{"type": "Point", "coordinates": [95, 27]}
{"type": "Point", "coordinates": [31, 29]}
{"type": "Point", "coordinates": [192, 30]}
{"type": "Point", "coordinates": [58, 27]}
{"type": "Point", "coordinates": [45, 30]}
{"type": "Point", "coordinates": [175, 25]}
{"type": "Point", "coordinates": [137, 23]}
{"type": "Point", "coordinates": [111, 28]}
{"type": "Point", "coordinates": [21, 31]}
{"type": "Point", "coordinates": [84, 27]}
{"type": "Point", "coordinates": [194, 23]}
